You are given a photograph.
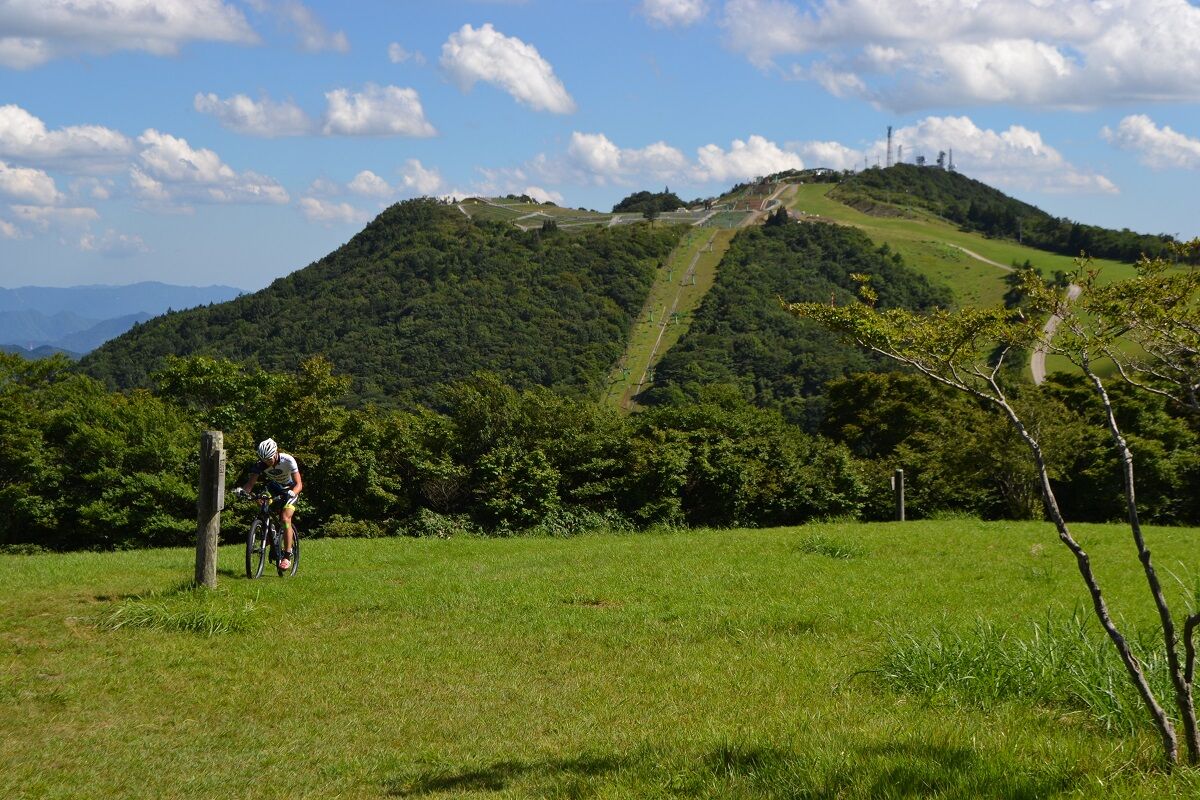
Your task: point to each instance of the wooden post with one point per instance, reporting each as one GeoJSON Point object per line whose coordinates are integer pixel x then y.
{"type": "Point", "coordinates": [209, 503]}
{"type": "Point", "coordinates": [898, 487]}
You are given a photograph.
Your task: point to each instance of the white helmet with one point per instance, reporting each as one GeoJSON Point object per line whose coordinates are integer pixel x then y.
{"type": "Point", "coordinates": [267, 449]}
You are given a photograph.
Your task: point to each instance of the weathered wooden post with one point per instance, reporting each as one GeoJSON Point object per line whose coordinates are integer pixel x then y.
{"type": "Point", "coordinates": [210, 501]}
{"type": "Point", "coordinates": [898, 488]}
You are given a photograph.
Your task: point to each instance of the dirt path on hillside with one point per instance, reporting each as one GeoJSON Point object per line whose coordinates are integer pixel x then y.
{"type": "Point", "coordinates": [984, 259]}
{"type": "Point", "coordinates": [1037, 362]}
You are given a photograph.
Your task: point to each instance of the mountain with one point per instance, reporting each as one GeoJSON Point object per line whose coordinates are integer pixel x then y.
{"type": "Point", "coordinates": [80, 318]}
{"type": "Point", "coordinates": [99, 302]}
{"type": "Point", "coordinates": [978, 207]}
{"type": "Point", "coordinates": [424, 295]}
{"type": "Point", "coordinates": [36, 353]}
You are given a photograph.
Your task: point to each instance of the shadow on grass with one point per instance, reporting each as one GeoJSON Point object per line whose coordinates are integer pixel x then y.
{"type": "Point", "coordinates": [497, 776]}
{"type": "Point", "coordinates": [898, 770]}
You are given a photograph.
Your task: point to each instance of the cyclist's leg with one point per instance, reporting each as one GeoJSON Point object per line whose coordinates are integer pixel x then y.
{"type": "Point", "coordinates": [286, 515]}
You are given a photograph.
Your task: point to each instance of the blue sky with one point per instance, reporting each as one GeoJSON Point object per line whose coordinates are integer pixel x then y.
{"type": "Point", "coordinates": [234, 141]}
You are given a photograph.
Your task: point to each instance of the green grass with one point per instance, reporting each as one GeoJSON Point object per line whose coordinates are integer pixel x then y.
{"type": "Point", "coordinates": [929, 245]}
{"type": "Point", "coordinates": [687, 664]}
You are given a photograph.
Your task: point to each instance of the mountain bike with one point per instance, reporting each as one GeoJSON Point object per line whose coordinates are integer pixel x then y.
{"type": "Point", "coordinates": [264, 540]}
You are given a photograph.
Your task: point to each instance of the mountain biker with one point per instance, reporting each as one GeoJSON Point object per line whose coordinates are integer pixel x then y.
{"type": "Point", "coordinates": [284, 483]}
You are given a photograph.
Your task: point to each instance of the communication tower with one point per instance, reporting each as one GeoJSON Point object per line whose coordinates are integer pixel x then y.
{"type": "Point", "coordinates": [941, 161]}
{"type": "Point", "coordinates": [900, 154]}
{"type": "Point", "coordinates": [950, 166]}
{"type": "Point", "coordinates": [889, 153]}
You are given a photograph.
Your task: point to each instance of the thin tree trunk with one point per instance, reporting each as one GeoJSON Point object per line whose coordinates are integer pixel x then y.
{"type": "Point", "coordinates": [1162, 722]}
{"type": "Point", "coordinates": [1182, 686]}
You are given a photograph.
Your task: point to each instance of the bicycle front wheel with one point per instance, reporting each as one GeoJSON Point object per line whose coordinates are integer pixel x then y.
{"type": "Point", "coordinates": [256, 550]}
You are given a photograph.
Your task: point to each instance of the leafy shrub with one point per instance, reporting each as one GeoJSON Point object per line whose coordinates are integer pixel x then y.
{"type": "Point", "coordinates": [343, 527]}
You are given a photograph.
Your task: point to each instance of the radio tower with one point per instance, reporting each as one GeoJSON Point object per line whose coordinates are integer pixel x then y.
{"type": "Point", "coordinates": [900, 154]}
{"type": "Point", "coordinates": [889, 156]}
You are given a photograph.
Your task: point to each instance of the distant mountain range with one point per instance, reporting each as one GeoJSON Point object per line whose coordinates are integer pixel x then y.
{"type": "Point", "coordinates": [38, 320]}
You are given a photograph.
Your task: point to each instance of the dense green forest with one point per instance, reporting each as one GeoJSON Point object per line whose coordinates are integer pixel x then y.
{"type": "Point", "coordinates": [421, 296]}
{"type": "Point", "coordinates": [741, 335]}
{"type": "Point", "coordinates": [978, 207]}
{"type": "Point", "coordinates": [82, 467]}
{"type": "Point", "coordinates": [653, 202]}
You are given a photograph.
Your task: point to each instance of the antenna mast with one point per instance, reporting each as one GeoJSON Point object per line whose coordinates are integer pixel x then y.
{"type": "Point", "coordinates": [889, 154]}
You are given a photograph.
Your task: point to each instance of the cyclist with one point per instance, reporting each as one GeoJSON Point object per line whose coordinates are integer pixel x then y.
{"type": "Point", "coordinates": [284, 483]}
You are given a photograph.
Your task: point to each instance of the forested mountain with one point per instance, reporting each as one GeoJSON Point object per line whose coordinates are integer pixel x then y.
{"type": "Point", "coordinates": [649, 201]}
{"type": "Point", "coordinates": [424, 295]}
{"type": "Point", "coordinates": [742, 335]}
{"type": "Point", "coordinates": [976, 206]}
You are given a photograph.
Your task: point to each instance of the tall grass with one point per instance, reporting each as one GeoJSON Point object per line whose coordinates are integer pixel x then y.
{"type": "Point", "coordinates": [1063, 663]}
{"type": "Point", "coordinates": [196, 611]}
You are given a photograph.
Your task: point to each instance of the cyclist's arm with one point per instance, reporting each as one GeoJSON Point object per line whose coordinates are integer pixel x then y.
{"type": "Point", "coordinates": [297, 482]}
{"type": "Point", "coordinates": [250, 483]}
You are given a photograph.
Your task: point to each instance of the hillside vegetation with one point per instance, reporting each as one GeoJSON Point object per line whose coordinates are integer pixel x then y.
{"type": "Point", "coordinates": [978, 207]}
{"type": "Point", "coordinates": [741, 335]}
{"type": "Point", "coordinates": [424, 295]}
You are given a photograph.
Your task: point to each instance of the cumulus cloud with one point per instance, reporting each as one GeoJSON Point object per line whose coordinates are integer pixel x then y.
{"type": "Point", "coordinates": [672, 13]}
{"type": "Point", "coordinates": [420, 180]}
{"type": "Point", "coordinates": [113, 245]}
{"type": "Point", "coordinates": [1016, 158]}
{"type": "Point", "coordinates": [8, 230]}
{"type": "Point", "coordinates": [1156, 147]}
{"type": "Point", "coordinates": [376, 111]}
{"type": "Point", "coordinates": [44, 218]}
{"type": "Point", "coordinates": [754, 157]}
{"type": "Point", "coordinates": [169, 168]}
{"type": "Point", "coordinates": [255, 118]}
{"type": "Point", "coordinates": [827, 155]}
{"type": "Point", "coordinates": [471, 55]}
{"type": "Point", "coordinates": [28, 185]}
{"type": "Point", "coordinates": [317, 210]}
{"type": "Point", "coordinates": [369, 184]}
{"type": "Point", "coordinates": [35, 31]}
{"type": "Point", "coordinates": [1048, 53]}
{"type": "Point", "coordinates": [313, 35]}
{"type": "Point", "coordinates": [398, 55]}
{"type": "Point", "coordinates": [596, 156]}
{"type": "Point", "coordinates": [25, 138]}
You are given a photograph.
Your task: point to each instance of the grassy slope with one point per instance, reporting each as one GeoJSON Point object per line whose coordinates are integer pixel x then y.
{"type": "Point", "coordinates": [698, 664]}
{"type": "Point", "coordinates": [926, 244]}
{"type": "Point", "coordinates": [672, 288]}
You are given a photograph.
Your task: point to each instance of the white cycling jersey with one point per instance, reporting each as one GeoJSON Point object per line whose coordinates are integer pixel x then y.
{"type": "Point", "coordinates": [279, 474]}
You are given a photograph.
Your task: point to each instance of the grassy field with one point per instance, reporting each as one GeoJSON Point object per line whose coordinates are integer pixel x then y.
{"type": "Point", "coordinates": [934, 247]}
{"type": "Point", "coordinates": [688, 664]}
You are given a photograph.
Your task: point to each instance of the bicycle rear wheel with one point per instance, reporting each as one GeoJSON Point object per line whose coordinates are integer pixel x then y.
{"type": "Point", "coordinates": [295, 553]}
{"type": "Point", "coordinates": [256, 549]}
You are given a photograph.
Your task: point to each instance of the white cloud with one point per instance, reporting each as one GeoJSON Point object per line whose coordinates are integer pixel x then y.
{"type": "Point", "coordinates": [1048, 53]}
{"type": "Point", "coordinates": [24, 137]}
{"type": "Point", "coordinates": [484, 54]}
{"type": "Point", "coordinates": [369, 184]}
{"type": "Point", "coordinates": [45, 217]}
{"type": "Point", "coordinates": [752, 158]}
{"type": "Point", "coordinates": [1015, 158]}
{"type": "Point", "coordinates": [425, 182]}
{"type": "Point", "coordinates": [113, 245]}
{"type": "Point", "coordinates": [313, 35]}
{"type": "Point", "coordinates": [8, 230]}
{"type": "Point", "coordinates": [542, 195]}
{"type": "Point", "coordinates": [673, 13]}
{"type": "Point", "coordinates": [317, 210]}
{"type": "Point", "coordinates": [398, 55]}
{"type": "Point", "coordinates": [602, 161]}
{"type": "Point", "coordinates": [35, 31]}
{"type": "Point", "coordinates": [376, 111]}
{"type": "Point", "coordinates": [262, 118]}
{"type": "Point", "coordinates": [828, 155]}
{"type": "Point", "coordinates": [170, 168]}
{"type": "Point", "coordinates": [1159, 148]}
{"type": "Point", "coordinates": [28, 185]}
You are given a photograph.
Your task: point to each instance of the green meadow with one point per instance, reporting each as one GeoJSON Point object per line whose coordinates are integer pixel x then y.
{"type": "Point", "coordinates": [694, 664]}
{"type": "Point", "coordinates": [934, 247]}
